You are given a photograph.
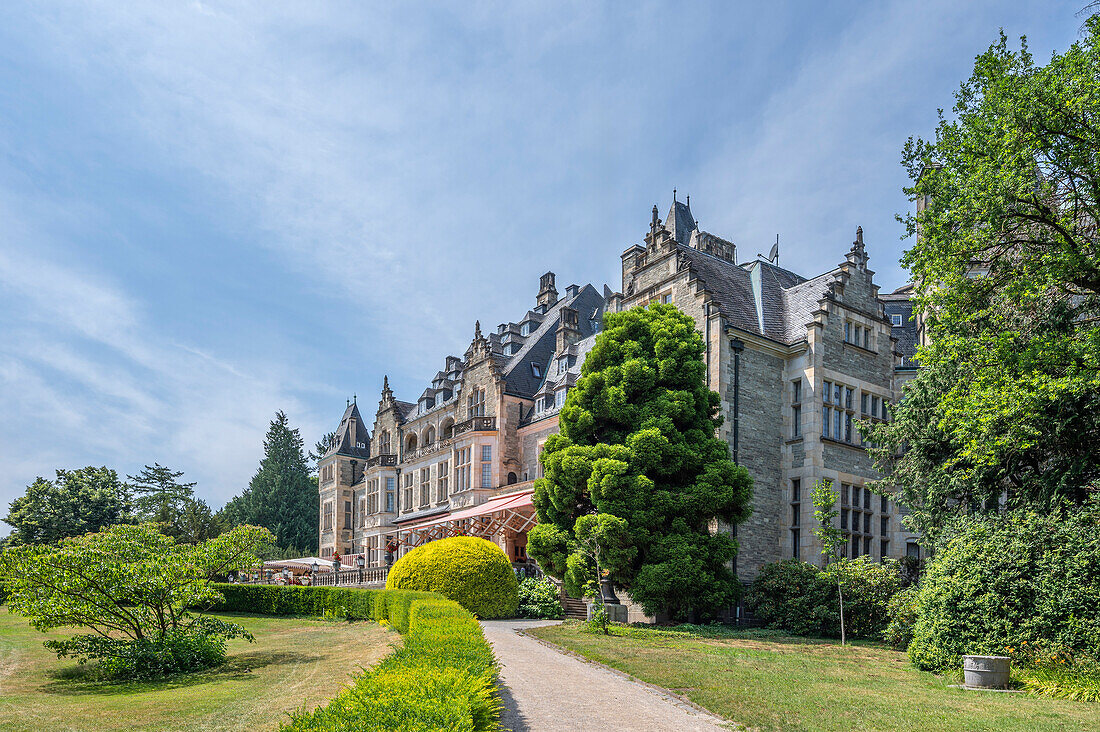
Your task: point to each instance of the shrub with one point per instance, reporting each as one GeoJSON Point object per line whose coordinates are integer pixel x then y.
{"type": "Point", "coordinates": [200, 646]}
{"type": "Point", "coordinates": [902, 613]}
{"type": "Point", "coordinates": [998, 581]}
{"type": "Point", "coordinates": [539, 599]}
{"type": "Point", "coordinates": [802, 599]}
{"type": "Point", "coordinates": [443, 676]}
{"type": "Point", "coordinates": [473, 572]}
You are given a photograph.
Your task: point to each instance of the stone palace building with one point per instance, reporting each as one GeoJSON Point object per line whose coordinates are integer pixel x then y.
{"type": "Point", "coordinates": [797, 362]}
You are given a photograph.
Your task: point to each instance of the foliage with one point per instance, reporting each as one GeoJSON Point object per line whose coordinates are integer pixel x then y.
{"type": "Point", "coordinates": [443, 676]}
{"type": "Point", "coordinates": [832, 539]}
{"type": "Point", "coordinates": [638, 442]}
{"type": "Point", "coordinates": [539, 599]}
{"type": "Point", "coordinates": [197, 522]}
{"type": "Point", "coordinates": [281, 496]}
{"type": "Point", "coordinates": [800, 598]}
{"type": "Point", "coordinates": [997, 581]}
{"type": "Point", "coordinates": [160, 498]}
{"type": "Point", "coordinates": [473, 572]}
{"type": "Point", "coordinates": [198, 646]}
{"type": "Point", "coordinates": [1007, 269]}
{"type": "Point", "coordinates": [322, 446]}
{"type": "Point", "coordinates": [902, 612]}
{"type": "Point", "coordinates": [1057, 674]}
{"type": "Point", "coordinates": [76, 502]}
{"type": "Point", "coordinates": [604, 542]}
{"type": "Point", "coordinates": [132, 587]}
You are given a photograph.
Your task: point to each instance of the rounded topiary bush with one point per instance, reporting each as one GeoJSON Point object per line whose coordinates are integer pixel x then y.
{"type": "Point", "coordinates": [473, 572]}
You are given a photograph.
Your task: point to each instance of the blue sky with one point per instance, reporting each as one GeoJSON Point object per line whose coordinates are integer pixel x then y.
{"type": "Point", "coordinates": [210, 212]}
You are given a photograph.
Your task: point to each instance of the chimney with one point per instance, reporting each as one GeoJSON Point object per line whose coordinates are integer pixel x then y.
{"type": "Point", "coordinates": [548, 294]}
{"type": "Point", "coordinates": [568, 332]}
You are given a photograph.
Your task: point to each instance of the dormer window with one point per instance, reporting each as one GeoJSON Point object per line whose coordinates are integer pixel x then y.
{"type": "Point", "coordinates": [563, 364]}
{"type": "Point", "coordinates": [536, 370]}
{"type": "Point", "coordinates": [895, 319]}
{"type": "Point", "coordinates": [559, 398]}
{"type": "Point", "coordinates": [526, 328]}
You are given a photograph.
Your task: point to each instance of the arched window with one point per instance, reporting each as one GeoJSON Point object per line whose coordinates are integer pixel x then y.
{"type": "Point", "coordinates": [429, 436]}
{"type": "Point", "coordinates": [447, 429]}
{"type": "Point", "coordinates": [410, 443]}
{"type": "Point", "coordinates": [512, 479]}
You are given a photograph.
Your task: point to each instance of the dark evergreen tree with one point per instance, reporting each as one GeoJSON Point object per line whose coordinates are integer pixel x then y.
{"type": "Point", "coordinates": [638, 442]}
{"type": "Point", "coordinates": [75, 503]}
{"type": "Point", "coordinates": [281, 496]}
{"type": "Point", "coordinates": [160, 497]}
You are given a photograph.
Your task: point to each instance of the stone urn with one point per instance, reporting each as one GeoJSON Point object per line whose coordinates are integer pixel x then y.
{"type": "Point", "coordinates": [986, 672]}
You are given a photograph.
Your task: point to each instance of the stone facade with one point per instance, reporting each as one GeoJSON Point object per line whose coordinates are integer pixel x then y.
{"type": "Point", "coordinates": [797, 361]}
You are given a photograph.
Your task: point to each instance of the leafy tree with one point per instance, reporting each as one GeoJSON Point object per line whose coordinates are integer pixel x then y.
{"type": "Point", "coordinates": [160, 497]}
{"type": "Point", "coordinates": [132, 587]}
{"type": "Point", "coordinates": [831, 537]}
{"type": "Point", "coordinates": [638, 442]}
{"type": "Point", "coordinates": [1007, 269]}
{"type": "Point", "coordinates": [76, 502]}
{"type": "Point", "coordinates": [282, 496]}
{"type": "Point", "coordinates": [604, 541]}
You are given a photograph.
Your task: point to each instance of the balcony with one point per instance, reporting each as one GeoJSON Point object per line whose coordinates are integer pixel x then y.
{"type": "Point", "coordinates": [476, 424]}
{"type": "Point", "coordinates": [430, 449]}
{"type": "Point", "coordinates": [385, 460]}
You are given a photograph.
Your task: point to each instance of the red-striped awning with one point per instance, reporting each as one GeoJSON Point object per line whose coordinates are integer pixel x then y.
{"type": "Point", "coordinates": [509, 502]}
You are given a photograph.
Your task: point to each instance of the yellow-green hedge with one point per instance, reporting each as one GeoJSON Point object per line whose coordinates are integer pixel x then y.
{"type": "Point", "coordinates": [443, 677]}
{"type": "Point", "coordinates": [473, 572]}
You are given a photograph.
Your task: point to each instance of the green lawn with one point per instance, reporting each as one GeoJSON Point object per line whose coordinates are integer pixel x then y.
{"type": "Point", "coordinates": [778, 683]}
{"type": "Point", "coordinates": [294, 662]}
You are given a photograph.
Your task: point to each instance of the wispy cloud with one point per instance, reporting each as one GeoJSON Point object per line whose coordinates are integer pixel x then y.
{"type": "Point", "coordinates": [212, 211]}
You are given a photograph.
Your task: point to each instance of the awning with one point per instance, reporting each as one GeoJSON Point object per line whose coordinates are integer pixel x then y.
{"type": "Point", "coordinates": [514, 511]}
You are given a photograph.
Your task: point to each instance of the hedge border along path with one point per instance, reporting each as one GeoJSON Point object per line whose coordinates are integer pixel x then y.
{"type": "Point", "coordinates": [444, 676]}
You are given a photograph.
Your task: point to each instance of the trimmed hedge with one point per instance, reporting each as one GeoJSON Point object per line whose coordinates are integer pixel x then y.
{"type": "Point", "coordinates": [473, 572]}
{"type": "Point", "coordinates": [443, 677]}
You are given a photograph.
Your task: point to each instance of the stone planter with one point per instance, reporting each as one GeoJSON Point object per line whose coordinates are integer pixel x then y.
{"type": "Point", "coordinates": [986, 672]}
{"type": "Point", "coordinates": [615, 613]}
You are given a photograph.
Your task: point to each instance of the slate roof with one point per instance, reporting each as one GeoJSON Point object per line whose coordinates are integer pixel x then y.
{"type": "Point", "coordinates": [538, 349]}
{"type": "Point", "coordinates": [351, 433]}
{"type": "Point", "coordinates": [898, 303]}
{"type": "Point", "coordinates": [680, 222]}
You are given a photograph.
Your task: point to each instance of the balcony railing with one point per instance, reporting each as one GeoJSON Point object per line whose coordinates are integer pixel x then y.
{"type": "Point", "coordinates": [430, 449]}
{"type": "Point", "coordinates": [476, 424]}
{"type": "Point", "coordinates": [385, 460]}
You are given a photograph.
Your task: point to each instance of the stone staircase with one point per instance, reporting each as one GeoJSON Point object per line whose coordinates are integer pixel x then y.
{"type": "Point", "coordinates": [574, 609]}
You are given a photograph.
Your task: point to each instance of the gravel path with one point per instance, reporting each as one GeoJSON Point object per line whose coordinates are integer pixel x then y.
{"type": "Point", "coordinates": [548, 691]}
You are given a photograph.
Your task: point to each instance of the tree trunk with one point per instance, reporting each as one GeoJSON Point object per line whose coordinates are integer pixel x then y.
{"type": "Point", "coordinates": [840, 594]}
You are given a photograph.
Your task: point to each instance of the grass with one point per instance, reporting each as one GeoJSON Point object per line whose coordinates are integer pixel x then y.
{"type": "Point", "coordinates": [767, 681]}
{"type": "Point", "coordinates": [294, 662]}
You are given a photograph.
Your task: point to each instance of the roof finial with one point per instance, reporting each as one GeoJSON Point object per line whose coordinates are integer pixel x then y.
{"type": "Point", "coordinates": [477, 329]}
{"type": "Point", "coordinates": [347, 403]}
{"type": "Point", "coordinates": [353, 399]}
{"type": "Point", "coordinates": [674, 195]}
{"type": "Point", "coordinates": [689, 201]}
{"type": "Point", "coordinates": [386, 383]}
{"type": "Point", "coordinates": [859, 234]}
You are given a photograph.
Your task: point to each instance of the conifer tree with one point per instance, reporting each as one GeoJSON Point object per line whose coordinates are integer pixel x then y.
{"type": "Point", "coordinates": [638, 442]}
{"type": "Point", "coordinates": [160, 497]}
{"type": "Point", "coordinates": [281, 496]}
